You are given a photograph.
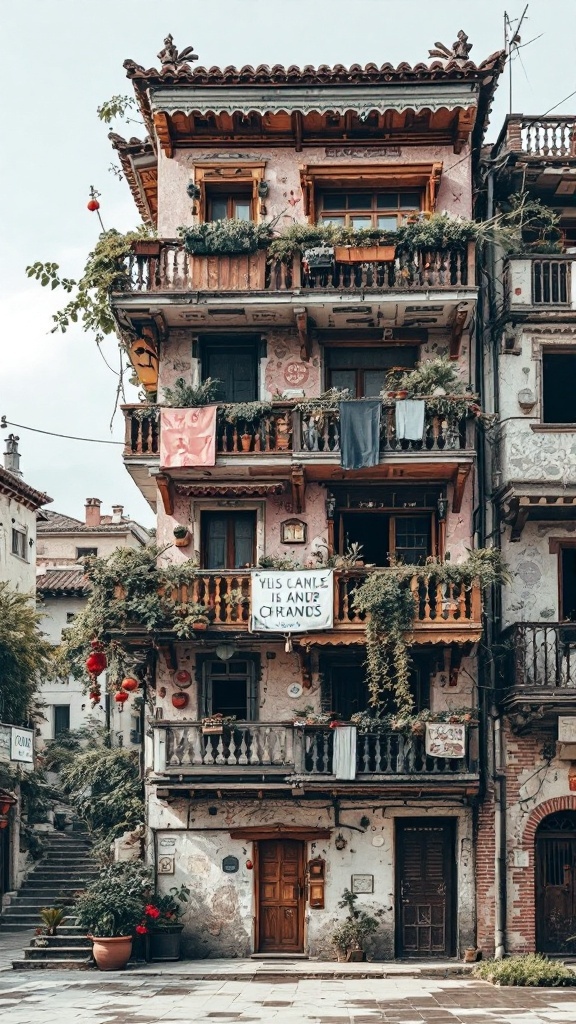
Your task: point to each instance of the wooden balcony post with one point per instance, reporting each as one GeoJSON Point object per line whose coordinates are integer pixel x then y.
{"type": "Point", "coordinates": [471, 279]}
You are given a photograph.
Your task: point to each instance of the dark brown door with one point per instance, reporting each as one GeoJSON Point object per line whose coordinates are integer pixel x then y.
{"type": "Point", "coordinates": [280, 894]}
{"type": "Point", "coordinates": [424, 887]}
{"type": "Point", "coordinates": [556, 883]}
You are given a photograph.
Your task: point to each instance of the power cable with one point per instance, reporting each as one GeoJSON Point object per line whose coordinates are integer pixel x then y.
{"type": "Point", "coordinates": [4, 423]}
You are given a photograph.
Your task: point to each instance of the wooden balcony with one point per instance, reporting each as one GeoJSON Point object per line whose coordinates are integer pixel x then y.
{"type": "Point", "coordinates": [285, 430]}
{"type": "Point", "coordinates": [174, 270]}
{"type": "Point", "coordinates": [540, 284]}
{"type": "Point", "coordinates": [537, 665]}
{"type": "Point", "coordinates": [548, 137]}
{"type": "Point", "coordinates": [276, 753]}
{"type": "Point", "coordinates": [426, 288]}
{"type": "Point", "coordinates": [444, 613]}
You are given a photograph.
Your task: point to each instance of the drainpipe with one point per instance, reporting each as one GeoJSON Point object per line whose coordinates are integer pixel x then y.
{"type": "Point", "coordinates": [500, 842]}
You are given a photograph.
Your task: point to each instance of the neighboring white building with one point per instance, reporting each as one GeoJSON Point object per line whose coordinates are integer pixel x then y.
{"type": "Point", "coordinates": [19, 504]}
{"type": "Point", "coordinates": [61, 586]}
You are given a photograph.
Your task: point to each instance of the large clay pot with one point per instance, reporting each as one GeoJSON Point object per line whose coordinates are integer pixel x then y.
{"type": "Point", "coordinates": [111, 954]}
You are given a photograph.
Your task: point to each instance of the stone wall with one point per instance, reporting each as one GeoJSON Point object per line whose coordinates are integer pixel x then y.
{"type": "Point", "coordinates": [220, 918]}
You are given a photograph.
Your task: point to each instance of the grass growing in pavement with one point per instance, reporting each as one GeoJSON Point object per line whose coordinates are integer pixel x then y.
{"type": "Point", "coordinates": [533, 969]}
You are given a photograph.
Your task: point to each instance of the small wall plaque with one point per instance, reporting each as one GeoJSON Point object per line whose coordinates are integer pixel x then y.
{"type": "Point", "coordinates": [166, 865]}
{"type": "Point", "coordinates": [230, 865]}
{"type": "Point", "coordinates": [362, 883]}
{"type": "Point", "coordinates": [293, 531]}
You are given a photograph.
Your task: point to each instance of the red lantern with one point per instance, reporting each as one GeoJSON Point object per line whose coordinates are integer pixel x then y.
{"type": "Point", "coordinates": [3, 822]}
{"type": "Point", "coordinates": [4, 808]}
{"type": "Point", "coordinates": [182, 678]}
{"type": "Point", "coordinates": [93, 205]}
{"type": "Point", "coordinates": [249, 865]}
{"type": "Point", "coordinates": [180, 700]}
{"type": "Point", "coordinates": [96, 663]}
{"type": "Point", "coordinates": [120, 697]}
{"type": "Point", "coordinates": [129, 684]}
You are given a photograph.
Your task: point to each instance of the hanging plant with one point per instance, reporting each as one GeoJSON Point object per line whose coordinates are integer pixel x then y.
{"type": "Point", "coordinates": [226, 238]}
{"type": "Point", "coordinates": [386, 597]}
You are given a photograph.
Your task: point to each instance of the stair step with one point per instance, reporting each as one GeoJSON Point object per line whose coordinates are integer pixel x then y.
{"type": "Point", "coordinates": [5, 927]}
{"type": "Point", "coordinates": [52, 965]}
{"type": "Point", "coordinates": [56, 941]}
{"type": "Point", "coordinates": [55, 953]}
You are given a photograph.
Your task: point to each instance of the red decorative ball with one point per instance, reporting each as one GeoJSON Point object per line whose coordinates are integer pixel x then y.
{"type": "Point", "coordinates": [93, 205]}
{"type": "Point", "coordinates": [120, 697]}
{"type": "Point", "coordinates": [249, 865]}
{"type": "Point", "coordinates": [180, 700]}
{"type": "Point", "coordinates": [96, 663]}
{"type": "Point", "coordinates": [129, 684]}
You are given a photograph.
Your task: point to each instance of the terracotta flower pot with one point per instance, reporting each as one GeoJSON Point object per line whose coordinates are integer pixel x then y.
{"type": "Point", "coordinates": [401, 394]}
{"type": "Point", "coordinates": [111, 954]}
{"type": "Point", "coordinates": [245, 441]}
{"type": "Point", "coordinates": [182, 542]}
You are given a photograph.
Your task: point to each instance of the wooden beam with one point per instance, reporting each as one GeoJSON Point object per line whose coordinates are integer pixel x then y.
{"type": "Point", "coordinates": [456, 330]}
{"type": "Point", "coordinates": [168, 649]}
{"type": "Point", "coordinates": [297, 123]}
{"type": "Point", "coordinates": [298, 488]}
{"type": "Point", "coordinates": [519, 522]}
{"type": "Point", "coordinates": [162, 127]}
{"type": "Point", "coordinates": [463, 128]}
{"type": "Point", "coordinates": [301, 318]}
{"type": "Point", "coordinates": [460, 479]}
{"type": "Point", "coordinates": [164, 485]}
{"type": "Point", "coordinates": [286, 831]}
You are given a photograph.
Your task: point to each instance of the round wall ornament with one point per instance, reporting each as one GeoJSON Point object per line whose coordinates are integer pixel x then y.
{"type": "Point", "coordinates": [295, 690]}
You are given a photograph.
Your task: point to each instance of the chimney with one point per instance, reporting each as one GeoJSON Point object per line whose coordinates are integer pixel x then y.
{"type": "Point", "coordinates": [12, 455]}
{"type": "Point", "coordinates": [92, 510]}
{"type": "Point", "coordinates": [117, 511]}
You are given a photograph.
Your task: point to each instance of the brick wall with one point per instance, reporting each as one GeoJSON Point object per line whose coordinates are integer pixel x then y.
{"type": "Point", "coordinates": [485, 876]}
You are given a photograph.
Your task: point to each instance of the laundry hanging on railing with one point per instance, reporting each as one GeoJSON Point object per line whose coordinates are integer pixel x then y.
{"type": "Point", "coordinates": [410, 419]}
{"type": "Point", "coordinates": [360, 433]}
{"type": "Point", "coordinates": [344, 759]}
{"type": "Point", "coordinates": [188, 437]}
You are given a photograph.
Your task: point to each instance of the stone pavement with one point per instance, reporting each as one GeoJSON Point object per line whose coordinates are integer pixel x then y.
{"type": "Point", "coordinates": [135, 997]}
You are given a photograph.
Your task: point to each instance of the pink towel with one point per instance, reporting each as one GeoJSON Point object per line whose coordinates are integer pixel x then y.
{"type": "Point", "coordinates": [188, 437]}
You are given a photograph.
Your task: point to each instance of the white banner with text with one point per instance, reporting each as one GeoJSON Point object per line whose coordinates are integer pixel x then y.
{"type": "Point", "coordinates": [292, 602]}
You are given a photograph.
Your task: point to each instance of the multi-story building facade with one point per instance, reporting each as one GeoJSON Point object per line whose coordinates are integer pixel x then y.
{"type": "Point", "coordinates": [529, 342]}
{"type": "Point", "coordinates": [260, 818]}
{"type": "Point", "coordinates": [62, 590]}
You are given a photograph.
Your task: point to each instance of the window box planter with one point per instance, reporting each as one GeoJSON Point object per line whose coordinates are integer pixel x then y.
{"type": "Point", "coordinates": [318, 258]}
{"type": "Point", "coordinates": [232, 273]}
{"type": "Point", "coordinates": [164, 944]}
{"type": "Point", "coordinates": [212, 730]}
{"type": "Point", "coordinates": [365, 254]}
{"type": "Point", "coordinates": [146, 247]}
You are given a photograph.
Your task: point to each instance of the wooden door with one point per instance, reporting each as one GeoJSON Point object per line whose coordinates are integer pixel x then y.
{"type": "Point", "coordinates": [280, 896]}
{"type": "Point", "coordinates": [556, 883]}
{"type": "Point", "coordinates": [424, 888]}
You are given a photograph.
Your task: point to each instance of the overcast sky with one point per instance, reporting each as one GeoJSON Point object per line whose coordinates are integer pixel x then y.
{"type": "Point", "coordinates": [62, 58]}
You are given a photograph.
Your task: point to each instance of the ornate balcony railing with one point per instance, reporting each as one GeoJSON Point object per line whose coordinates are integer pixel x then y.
{"type": "Point", "coordinates": [538, 657]}
{"type": "Point", "coordinates": [439, 607]}
{"type": "Point", "coordinates": [171, 269]}
{"type": "Point", "coordinates": [283, 749]}
{"type": "Point", "coordinates": [286, 430]}
{"type": "Point", "coordinates": [549, 136]}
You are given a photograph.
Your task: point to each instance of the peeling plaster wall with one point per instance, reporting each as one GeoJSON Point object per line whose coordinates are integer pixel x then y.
{"type": "Point", "coordinates": [527, 456]}
{"type": "Point", "coordinates": [282, 172]}
{"type": "Point", "coordinates": [532, 595]}
{"type": "Point", "coordinates": [219, 921]}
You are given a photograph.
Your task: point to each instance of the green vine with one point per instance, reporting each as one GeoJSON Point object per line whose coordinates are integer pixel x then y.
{"type": "Point", "coordinates": [128, 589]}
{"type": "Point", "coordinates": [105, 271]}
{"type": "Point", "coordinates": [25, 656]}
{"type": "Point", "coordinates": [385, 596]}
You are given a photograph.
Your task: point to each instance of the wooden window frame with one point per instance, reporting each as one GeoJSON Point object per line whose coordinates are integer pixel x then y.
{"type": "Point", "coordinates": [204, 678]}
{"type": "Point", "coordinates": [436, 535]}
{"type": "Point", "coordinates": [231, 516]}
{"type": "Point", "coordinates": [220, 175]}
{"type": "Point", "coordinates": [318, 178]}
{"type": "Point", "coordinates": [374, 213]}
{"type": "Point", "coordinates": [22, 542]}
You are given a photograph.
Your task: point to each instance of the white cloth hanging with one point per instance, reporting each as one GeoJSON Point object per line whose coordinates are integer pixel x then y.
{"type": "Point", "coordinates": [344, 757]}
{"type": "Point", "coordinates": [410, 419]}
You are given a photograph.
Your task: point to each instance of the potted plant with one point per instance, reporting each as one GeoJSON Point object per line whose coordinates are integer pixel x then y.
{"type": "Point", "coordinates": [146, 247]}
{"type": "Point", "coordinates": [109, 910]}
{"type": "Point", "coordinates": [245, 413]}
{"type": "Point", "coordinates": [350, 936]}
{"type": "Point", "coordinates": [161, 924]}
{"type": "Point", "coordinates": [182, 536]}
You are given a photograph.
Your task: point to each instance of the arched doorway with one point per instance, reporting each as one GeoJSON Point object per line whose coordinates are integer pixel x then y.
{"type": "Point", "coordinates": [555, 865]}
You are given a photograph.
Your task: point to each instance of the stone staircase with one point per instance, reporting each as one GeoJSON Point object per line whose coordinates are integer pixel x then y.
{"type": "Point", "coordinates": [66, 867]}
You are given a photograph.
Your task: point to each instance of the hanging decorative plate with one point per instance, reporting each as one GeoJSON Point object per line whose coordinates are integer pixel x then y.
{"type": "Point", "coordinates": [182, 678]}
{"type": "Point", "coordinates": [294, 690]}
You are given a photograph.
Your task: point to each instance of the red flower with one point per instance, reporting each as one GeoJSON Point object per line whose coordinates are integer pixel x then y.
{"type": "Point", "coordinates": [151, 911]}
{"type": "Point", "coordinates": [141, 929]}
{"type": "Point", "coordinates": [168, 914]}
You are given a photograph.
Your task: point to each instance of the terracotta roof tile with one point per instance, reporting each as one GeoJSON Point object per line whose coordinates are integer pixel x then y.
{"type": "Point", "coordinates": [21, 491]}
{"type": "Point", "coordinates": [63, 581]}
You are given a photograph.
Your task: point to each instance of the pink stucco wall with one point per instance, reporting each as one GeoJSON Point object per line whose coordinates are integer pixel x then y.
{"type": "Point", "coordinates": [283, 175]}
